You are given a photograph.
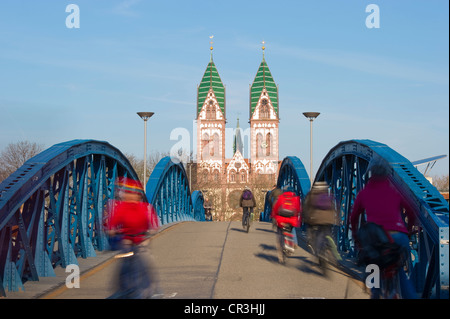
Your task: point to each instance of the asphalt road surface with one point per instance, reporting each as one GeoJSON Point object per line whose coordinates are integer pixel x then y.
{"type": "Point", "coordinates": [218, 260]}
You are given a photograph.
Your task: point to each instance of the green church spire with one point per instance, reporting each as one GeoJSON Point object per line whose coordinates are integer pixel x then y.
{"type": "Point", "coordinates": [211, 80]}
{"type": "Point", "coordinates": [263, 79]}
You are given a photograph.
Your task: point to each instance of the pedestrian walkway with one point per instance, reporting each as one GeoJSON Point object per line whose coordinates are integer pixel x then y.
{"type": "Point", "coordinates": [216, 260]}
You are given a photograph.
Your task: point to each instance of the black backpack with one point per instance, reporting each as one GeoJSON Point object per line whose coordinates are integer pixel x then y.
{"type": "Point", "coordinates": [375, 247]}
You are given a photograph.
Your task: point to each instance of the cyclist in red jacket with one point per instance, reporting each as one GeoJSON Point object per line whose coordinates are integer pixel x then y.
{"type": "Point", "coordinates": [286, 203]}
{"type": "Point", "coordinates": [131, 219]}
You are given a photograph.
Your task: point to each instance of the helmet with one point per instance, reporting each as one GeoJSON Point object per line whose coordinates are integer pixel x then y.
{"type": "Point", "coordinates": [128, 185]}
{"type": "Point", "coordinates": [379, 167]}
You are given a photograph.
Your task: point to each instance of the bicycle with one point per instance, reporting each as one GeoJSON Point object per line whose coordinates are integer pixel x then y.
{"type": "Point", "coordinates": [323, 246]}
{"type": "Point", "coordinates": [247, 220]}
{"type": "Point", "coordinates": [389, 285]}
{"type": "Point", "coordinates": [135, 279]}
{"type": "Point", "coordinates": [285, 243]}
{"type": "Point", "coordinates": [376, 247]}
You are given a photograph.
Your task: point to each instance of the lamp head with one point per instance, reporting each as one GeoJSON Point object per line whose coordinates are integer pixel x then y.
{"type": "Point", "coordinates": [145, 115]}
{"type": "Point", "coordinates": [311, 115]}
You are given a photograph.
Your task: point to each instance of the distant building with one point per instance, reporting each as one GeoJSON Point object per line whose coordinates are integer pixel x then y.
{"type": "Point", "coordinates": [223, 179]}
{"type": "Point", "coordinates": [445, 195]}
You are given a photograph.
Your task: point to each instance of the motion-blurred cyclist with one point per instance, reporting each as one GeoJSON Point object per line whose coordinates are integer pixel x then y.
{"type": "Point", "coordinates": [248, 203]}
{"type": "Point", "coordinates": [320, 216]}
{"type": "Point", "coordinates": [383, 205]}
{"type": "Point", "coordinates": [131, 220]}
{"type": "Point", "coordinates": [287, 214]}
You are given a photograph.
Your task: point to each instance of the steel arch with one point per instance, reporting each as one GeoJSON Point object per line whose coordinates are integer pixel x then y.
{"type": "Point", "coordinates": [168, 191]}
{"type": "Point", "coordinates": [344, 168]}
{"type": "Point", "coordinates": [292, 173]}
{"type": "Point", "coordinates": [51, 209]}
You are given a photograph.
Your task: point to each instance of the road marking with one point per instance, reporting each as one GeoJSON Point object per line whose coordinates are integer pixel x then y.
{"type": "Point", "coordinates": [164, 296]}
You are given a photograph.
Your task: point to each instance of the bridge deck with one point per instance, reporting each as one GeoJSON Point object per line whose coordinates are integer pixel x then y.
{"type": "Point", "coordinates": [220, 260]}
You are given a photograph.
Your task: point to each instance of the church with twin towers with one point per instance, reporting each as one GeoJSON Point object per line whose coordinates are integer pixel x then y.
{"type": "Point", "coordinates": [221, 179]}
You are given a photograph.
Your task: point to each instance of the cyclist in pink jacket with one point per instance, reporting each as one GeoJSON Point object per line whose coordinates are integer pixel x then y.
{"type": "Point", "coordinates": [384, 205]}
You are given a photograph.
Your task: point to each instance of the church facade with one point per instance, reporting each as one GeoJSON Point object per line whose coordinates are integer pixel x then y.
{"type": "Point", "coordinates": [222, 179]}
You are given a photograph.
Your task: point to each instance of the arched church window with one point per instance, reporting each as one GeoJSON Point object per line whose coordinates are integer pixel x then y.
{"type": "Point", "coordinates": [243, 176]}
{"type": "Point", "coordinates": [216, 175]}
{"type": "Point", "coordinates": [210, 111]}
{"type": "Point", "coordinates": [232, 176]}
{"type": "Point", "coordinates": [269, 141]}
{"type": "Point", "coordinates": [205, 146]}
{"type": "Point", "coordinates": [264, 109]}
{"type": "Point", "coordinates": [259, 146]}
{"type": "Point", "coordinates": [214, 149]}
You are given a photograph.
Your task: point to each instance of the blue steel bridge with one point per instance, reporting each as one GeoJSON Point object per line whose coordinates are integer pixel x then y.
{"type": "Point", "coordinates": [51, 209]}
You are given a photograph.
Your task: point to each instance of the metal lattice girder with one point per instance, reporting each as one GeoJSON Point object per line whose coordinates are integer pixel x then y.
{"type": "Point", "coordinates": [344, 168]}
{"type": "Point", "coordinates": [197, 205]}
{"type": "Point", "coordinates": [51, 209]}
{"type": "Point", "coordinates": [169, 193]}
{"type": "Point", "coordinates": [265, 217]}
{"type": "Point", "coordinates": [293, 174]}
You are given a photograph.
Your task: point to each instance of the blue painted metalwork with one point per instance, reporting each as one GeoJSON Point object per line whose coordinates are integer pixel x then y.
{"type": "Point", "coordinates": [265, 216]}
{"type": "Point", "coordinates": [292, 174]}
{"type": "Point", "coordinates": [168, 191]}
{"type": "Point", "coordinates": [51, 209]}
{"type": "Point", "coordinates": [344, 169]}
{"type": "Point", "coordinates": [197, 205]}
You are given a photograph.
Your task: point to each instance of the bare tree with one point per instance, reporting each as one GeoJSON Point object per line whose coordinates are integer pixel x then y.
{"type": "Point", "coordinates": [15, 155]}
{"type": "Point", "coordinates": [441, 183]}
{"type": "Point", "coordinates": [138, 163]}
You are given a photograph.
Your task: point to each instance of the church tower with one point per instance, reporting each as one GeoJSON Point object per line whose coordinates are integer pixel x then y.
{"type": "Point", "coordinates": [211, 125]}
{"type": "Point", "coordinates": [264, 120]}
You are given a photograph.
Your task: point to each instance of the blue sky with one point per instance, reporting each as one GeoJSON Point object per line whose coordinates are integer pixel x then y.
{"type": "Point", "coordinates": [388, 84]}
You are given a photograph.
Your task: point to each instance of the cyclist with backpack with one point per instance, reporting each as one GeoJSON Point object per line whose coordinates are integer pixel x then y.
{"type": "Point", "coordinates": [384, 205]}
{"type": "Point", "coordinates": [248, 203]}
{"type": "Point", "coordinates": [320, 216]}
{"type": "Point", "coordinates": [287, 215]}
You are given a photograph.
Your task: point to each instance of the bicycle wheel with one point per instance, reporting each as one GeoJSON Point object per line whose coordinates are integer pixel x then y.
{"type": "Point", "coordinates": [390, 287]}
{"type": "Point", "coordinates": [280, 247]}
{"type": "Point", "coordinates": [248, 223]}
{"type": "Point", "coordinates": [244, 220]}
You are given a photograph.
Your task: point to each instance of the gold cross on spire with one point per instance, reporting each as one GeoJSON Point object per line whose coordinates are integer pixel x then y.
{"type": "Point", "coordinates": [211, 42]}
{"type": "Point", "coordinates": [263, 47]}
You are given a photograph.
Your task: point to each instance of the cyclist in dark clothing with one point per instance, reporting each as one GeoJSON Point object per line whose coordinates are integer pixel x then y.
{"type": "Point", "coordinates": [248, 203]}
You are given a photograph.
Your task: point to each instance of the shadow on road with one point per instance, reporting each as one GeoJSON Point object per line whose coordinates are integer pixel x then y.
{"type": "Point", "coordinates": [265, 230]}
{"type": "Point", "coordinates": [238, 230]}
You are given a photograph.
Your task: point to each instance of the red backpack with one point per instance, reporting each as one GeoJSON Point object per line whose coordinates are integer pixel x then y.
{"type": "Point", "coordinates": [289, 205]}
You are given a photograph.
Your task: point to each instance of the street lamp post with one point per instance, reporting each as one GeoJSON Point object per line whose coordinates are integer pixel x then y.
{"type": "Point", "coordinates": [145, 116]}
{"type": "Point", "coordinates": [311, 116]}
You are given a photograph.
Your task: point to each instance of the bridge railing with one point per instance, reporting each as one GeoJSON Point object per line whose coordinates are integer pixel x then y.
{"type": "Point", "coordinates": [168, 190]}
{"type": "Point", "coordinates": [344, 169]}
{"type": "Point", "coordinates": [52, 208]}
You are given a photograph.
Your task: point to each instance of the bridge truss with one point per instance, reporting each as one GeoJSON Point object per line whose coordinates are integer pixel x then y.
{"type": "Point", "coordinates": [168, 191]}
{"type": "Point", "coordinates": [52, 208]}
{"type": "Point", "coordinates": [292, 174]}
{"type": "Point", "coordinates": [344, 168]}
